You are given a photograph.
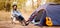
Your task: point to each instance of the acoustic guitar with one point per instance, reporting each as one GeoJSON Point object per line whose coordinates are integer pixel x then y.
{"type": "Point", "coordinates": [49, 21]}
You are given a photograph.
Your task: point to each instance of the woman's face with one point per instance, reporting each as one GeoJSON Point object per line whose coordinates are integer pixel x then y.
{"type": "Point", "coordinates": [14, 7]}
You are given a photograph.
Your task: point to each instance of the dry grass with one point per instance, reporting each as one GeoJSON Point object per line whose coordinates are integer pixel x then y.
{"type": "Point", "coordinates": [4, 16]}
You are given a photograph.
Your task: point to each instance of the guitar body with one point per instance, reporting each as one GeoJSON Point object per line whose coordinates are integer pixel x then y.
{"type": "Point", "coordinates": [48, 21]}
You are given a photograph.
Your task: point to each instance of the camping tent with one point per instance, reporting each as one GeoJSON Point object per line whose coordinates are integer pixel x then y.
{"type": "Point", "coordinates": [51, 10]}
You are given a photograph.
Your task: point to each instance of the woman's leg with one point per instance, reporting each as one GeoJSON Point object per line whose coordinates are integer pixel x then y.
{"type": "Point", "coordinates": [22, 20]}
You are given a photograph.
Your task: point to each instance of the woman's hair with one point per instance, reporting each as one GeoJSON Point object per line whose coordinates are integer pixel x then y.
{"type": "Point", "coordinates": [14, 5]}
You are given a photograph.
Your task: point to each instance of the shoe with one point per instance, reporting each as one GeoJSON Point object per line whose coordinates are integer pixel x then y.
{"type": "Point", "coordinates": [26, 24]}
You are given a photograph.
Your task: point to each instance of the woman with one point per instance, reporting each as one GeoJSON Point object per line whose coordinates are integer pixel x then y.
{"type": "Point", "coordinates": [15, 13]}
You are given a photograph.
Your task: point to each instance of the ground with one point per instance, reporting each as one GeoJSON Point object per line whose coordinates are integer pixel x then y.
{"type": "Point", "coordinates": [7, 24]}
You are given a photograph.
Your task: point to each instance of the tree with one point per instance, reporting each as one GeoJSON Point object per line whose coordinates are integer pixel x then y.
{"type": "Point", "coordinates": [22, 4]}
{"type": "Point", "coordinates": [7, 5]}
{"type": "Point", "coordinates": [38, 3]}
{"type": "Point", "coordinates": [32, 4]}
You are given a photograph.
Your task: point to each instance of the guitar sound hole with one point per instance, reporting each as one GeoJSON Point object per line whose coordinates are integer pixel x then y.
{"type": "Point", "coordinates": [48, 19]}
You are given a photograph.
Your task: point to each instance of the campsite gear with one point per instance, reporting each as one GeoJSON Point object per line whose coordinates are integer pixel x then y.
{"type": "Point", "coordinates": [51, 10]}
{"type": "Point", "coordinates": [48, 21]}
